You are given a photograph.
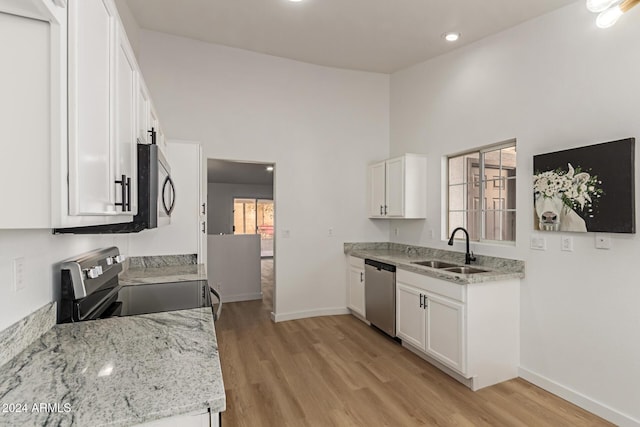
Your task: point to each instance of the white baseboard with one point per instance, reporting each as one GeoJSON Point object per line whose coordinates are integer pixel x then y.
{"type": "Point", "coordinates": [282, 317]}
{"type": "Point", "coordinates": [241, 297]}
{"type": "Point", "coordinates": [579, 399]}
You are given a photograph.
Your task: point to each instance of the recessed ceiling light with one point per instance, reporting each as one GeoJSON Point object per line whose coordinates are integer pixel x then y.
{"type": "Point", "coordinates": [295, 1]}
{"type": "Point", "coordinates": [270, 168]}
{"type": "Point", "coordinates": [451, 37]}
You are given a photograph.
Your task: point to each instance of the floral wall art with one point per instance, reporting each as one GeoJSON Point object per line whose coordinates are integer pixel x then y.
{"type": "Point", "coordinates": [586, 189]}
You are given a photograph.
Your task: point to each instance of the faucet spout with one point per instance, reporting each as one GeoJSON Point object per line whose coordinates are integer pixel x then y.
{"type": "Point", "coordinates": [468, 256]}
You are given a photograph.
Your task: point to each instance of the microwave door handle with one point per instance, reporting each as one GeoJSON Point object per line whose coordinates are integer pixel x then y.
{"type": "Point", "coordinates": [168, 181]}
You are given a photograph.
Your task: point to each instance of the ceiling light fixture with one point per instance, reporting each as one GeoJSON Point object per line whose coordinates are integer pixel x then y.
{"type": "Point", "coordinates": [610, 10]}
{"type": "Point", "coordinates": [452, 37]}
{"type": "Point", "coordinates": [295, 1]}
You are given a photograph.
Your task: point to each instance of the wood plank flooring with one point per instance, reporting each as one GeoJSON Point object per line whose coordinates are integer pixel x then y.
{"type": "Point", "coordinates": [337, 371]}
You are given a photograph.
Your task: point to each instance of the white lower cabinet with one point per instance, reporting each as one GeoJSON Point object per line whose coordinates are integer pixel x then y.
{"type": "Point", "coordinates": [473, 330]}
{"type": "Point", "coordinates": [445, 330]}
{"type": "Point", "coordinates": [355, 284]}
{"type": "Point", "coordinates": [411, 317]}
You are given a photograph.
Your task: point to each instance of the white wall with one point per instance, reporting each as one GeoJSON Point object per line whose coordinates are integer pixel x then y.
{"type": "Point", "coordinates": [42, 253]}
{"type": "Point", "coordinates": [320, 126]}
{"type": "Point", "coordinates": [220, 201]}
{"type": "Point", "coordinates": [553, 83]}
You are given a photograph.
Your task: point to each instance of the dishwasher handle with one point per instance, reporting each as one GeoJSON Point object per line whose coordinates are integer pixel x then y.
{"type": "Point", "coordinates": [380, 265]}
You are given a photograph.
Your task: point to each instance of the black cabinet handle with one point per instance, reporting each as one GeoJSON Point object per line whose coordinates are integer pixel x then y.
{"type": "Point", "coordinates": [380, 209]}
{"type": "Point", "coordinates": [128, 194]}
{"type": "Point", "coordinates": [385, 209]}
{"type": "Point", "coordinates": [204, 227]}
{"type": "Point", "coordinates": [421, 305]}
{"type": "Point", "coordinates": [152, 132]}
{"type": "Point", "coordinates": [123, 192]}
{"type": "Point", "coordinates": [361, 276]}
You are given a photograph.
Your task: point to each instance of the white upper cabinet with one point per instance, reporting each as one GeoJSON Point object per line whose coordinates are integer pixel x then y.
{"type": "Point", "coordinates": [126, 125]}
{"type": "Point", "coordinates": [377, 195]}
{"type": "Point", "coordinates": [24, 120]}
{"type": "Point", "coordinates": [103, 81]}
{"type": "Point", "coordinates": [144, 111]}
{"type": "Point", "coordinates": [398, 188]}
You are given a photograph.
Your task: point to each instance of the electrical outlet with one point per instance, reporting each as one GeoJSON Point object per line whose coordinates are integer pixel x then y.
{"type": "Point", "coordinates": [603, 241]}
{"type": "Point", "coordinates": [431, 233]}
{"type": "Point", "coordinates": [538, 243]}
{"type": "Point", "coordinates": [330, 232]}
{"type": "Point", "coordinates": [18, 274]}
{"type": "Point", "coordinates": [566, 243]}
{"type": "Point", "coordinates": [396, 231]}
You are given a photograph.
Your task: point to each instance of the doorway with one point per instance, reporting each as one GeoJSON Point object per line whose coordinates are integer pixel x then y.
{"type": "Point", "coordinates": [241, 225]}
{"type": "Point", "coordinates": [255, 216]}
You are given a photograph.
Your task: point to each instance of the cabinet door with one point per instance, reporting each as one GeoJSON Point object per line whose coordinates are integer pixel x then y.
{"type": "Point", "coordinates": [25, 117]}
{"type": "Point", "coordinates": [446, 331]}
{"type": "Point", "coordinates": [395, 187]}
{"type": "Point", "coordinates": [126, 94]}
{"type": "Point", "coordinates": [410, 315]}
{"type": "Point", "coordinates": [356, 290]}
{"type": "Point", "coordinates": [377, 190]}
{"type": "Point", "coordinates": [91, 51]}
{"type": "Point", "coordinates": [144, 111]}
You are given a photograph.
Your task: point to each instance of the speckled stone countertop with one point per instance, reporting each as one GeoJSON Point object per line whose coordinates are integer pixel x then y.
{"type": "Point", "coordinates": [117, 372]}
{"type": "Point", "coordinates": [168, 273]}
{"type": "Point", "coordinates": [402, 257]}
{"type": "Point", "coordinates": [120, 371]}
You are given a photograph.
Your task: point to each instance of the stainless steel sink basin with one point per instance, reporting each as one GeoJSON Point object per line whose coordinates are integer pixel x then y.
{"type": "Point", "coordinates": [434, 264]}
{"type": "Point", "coordinates": [465, 270]}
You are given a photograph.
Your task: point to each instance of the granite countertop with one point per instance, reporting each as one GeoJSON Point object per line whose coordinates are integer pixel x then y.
{"type": "Point", "coordinates": [168, 273]}
{"type": "Point", "coordinates": [119, 371]}
{"type": "Point", "coordinates": [402, 257]}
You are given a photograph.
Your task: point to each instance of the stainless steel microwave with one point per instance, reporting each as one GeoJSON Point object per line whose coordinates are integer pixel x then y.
{"type": "Point", "coordinates": [156, 197]}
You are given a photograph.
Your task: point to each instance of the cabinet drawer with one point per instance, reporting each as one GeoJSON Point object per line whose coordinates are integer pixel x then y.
{"type": "Point", "coordinates": [431, 284]}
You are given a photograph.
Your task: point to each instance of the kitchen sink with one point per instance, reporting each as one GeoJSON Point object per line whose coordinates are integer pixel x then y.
{"type": "Point", "coordinates": [465, 270]}
{"type": "Point", "coordinates": [434, 264]}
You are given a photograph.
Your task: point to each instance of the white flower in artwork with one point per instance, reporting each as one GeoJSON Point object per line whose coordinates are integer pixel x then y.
{"type": "Point", "coordinates": [573, 186]}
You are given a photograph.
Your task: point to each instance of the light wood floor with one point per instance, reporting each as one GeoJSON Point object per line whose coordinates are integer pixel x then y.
{"type": "Point", "coordinates": [336, 371]}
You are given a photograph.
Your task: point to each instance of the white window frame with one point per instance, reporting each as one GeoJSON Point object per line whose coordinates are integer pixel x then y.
{"type": "Point", "coordinates": [483, 209]}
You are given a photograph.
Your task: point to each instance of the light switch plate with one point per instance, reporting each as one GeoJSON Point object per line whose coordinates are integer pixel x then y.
{"type": "Point", "coordinates": [566, 243]}
{"type": "Point", "coordinates": [603, 241]}
{"type": "Point", "coordinates": [538, 242]}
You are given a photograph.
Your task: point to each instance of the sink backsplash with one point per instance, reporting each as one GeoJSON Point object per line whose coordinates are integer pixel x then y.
{"type": "Point", "coordinates": [424, 253]}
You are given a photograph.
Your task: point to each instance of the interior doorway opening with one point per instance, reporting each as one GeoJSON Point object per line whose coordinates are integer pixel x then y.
{"type": "Point", "coordinates": [242, 231]}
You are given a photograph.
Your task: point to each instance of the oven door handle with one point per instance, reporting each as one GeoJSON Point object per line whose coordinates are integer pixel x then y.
{"type": "Point", "coordinates": [216, 315]}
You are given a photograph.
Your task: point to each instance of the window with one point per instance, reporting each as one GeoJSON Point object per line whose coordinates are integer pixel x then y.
{"type": "Point", "coordinates": [255, 216]}
{"type": "Point", "coordinates": [482, 193]}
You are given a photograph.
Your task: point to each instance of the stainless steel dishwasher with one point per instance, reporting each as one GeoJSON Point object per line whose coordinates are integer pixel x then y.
{"type": "Point", "coordinates": [380, 295]}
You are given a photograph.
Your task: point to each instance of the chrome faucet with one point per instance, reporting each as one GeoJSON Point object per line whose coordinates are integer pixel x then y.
{"type": "Point", "coordinates": [468, 256]}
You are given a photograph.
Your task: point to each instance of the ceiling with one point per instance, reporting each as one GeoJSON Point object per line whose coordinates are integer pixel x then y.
{"type": "Point", "coordinates": [228, 172]}
{"type": "Point", "coordinates": [371, 35]}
